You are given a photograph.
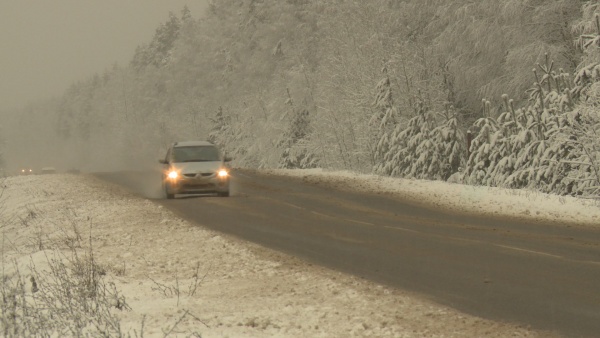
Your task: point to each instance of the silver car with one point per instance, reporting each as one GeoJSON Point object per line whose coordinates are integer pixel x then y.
{"type": "Point", "coordinates": [195, 167]}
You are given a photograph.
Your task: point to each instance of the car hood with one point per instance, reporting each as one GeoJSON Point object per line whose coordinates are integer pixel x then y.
{"type": "Point", "coordinates": [197, 167]}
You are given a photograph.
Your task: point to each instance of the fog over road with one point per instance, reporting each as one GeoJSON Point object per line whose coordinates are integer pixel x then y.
{"type": "Point", "coordinates": [545, 276]}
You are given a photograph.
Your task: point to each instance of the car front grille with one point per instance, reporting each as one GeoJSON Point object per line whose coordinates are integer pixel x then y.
{"type": "Point", "coordinates": [199, 175]}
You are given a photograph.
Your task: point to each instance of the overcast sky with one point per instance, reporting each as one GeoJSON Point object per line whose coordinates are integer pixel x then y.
{"type": "Point", "coordinates": [45, 45]}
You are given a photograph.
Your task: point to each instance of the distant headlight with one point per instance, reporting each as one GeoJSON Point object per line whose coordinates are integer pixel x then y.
{"type": "Point", "coordinates": [172, 174]}
{"type": "Point", "coordinates": [223, 173]}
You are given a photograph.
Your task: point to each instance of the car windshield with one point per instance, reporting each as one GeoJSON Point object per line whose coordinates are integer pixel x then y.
{"type": "Point", "coordinates": [195, 154]}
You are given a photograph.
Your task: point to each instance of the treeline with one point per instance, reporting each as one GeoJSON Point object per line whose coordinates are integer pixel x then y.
{"type": "Point", "coordinates": [383, 85]}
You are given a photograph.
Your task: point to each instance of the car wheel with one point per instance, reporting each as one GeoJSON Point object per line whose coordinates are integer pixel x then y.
{"type": "Point", "coordinates": [169, 196]}
{"type": "Point", "coordinates": [223, 193]}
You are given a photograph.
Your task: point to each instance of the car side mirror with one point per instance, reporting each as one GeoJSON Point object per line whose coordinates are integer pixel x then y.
{"type": "Point", "coordinates": [227, 159]}
{"type": "Point", "coordinates": [163, 161]}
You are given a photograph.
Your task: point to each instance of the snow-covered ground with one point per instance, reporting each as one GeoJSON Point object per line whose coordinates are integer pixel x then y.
{"type": "Point", "coordinates": [243, 290]}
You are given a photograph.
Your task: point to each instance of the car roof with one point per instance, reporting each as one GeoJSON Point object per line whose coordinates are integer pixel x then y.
{"type": "Point", "coordinates": [192, 143]}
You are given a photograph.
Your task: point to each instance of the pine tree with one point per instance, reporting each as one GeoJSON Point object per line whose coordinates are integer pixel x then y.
{"type": "Point", "coordinates": [547, 116]}
{"type": "Point", "coordinates": [383, 119]}
{"type": "Point", "coordinates": [523, 148]}
{"type": "Point", "coordinates": [478, 165]}
{"type": "Point", "coordinates": [295, 140]}
{"type": "Point", "coordinates": [385, 112]}
{"type": "Point", "coordinates": [451, 145]}
{"type": "Point", "coordinates": [582, 136]}
{"type": "Point", "coordinates": [588, 30]}
{"type": "Point", "coordinates": [513, 150]}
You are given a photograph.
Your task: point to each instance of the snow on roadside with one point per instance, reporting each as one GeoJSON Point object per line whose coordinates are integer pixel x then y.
{"type": "Point", "coordinates": [459, 198]}
{"type": "Point", "coordinates": [169, 270]}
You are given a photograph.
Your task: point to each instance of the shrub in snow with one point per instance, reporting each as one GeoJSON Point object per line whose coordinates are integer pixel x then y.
{"type": "Point", "coordinates": [70, 298]}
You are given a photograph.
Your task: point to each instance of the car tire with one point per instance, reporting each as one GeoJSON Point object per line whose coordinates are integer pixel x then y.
{"type": "Point", "coordinates": [169, 196]}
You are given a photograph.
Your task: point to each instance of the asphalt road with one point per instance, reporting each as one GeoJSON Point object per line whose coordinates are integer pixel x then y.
{"type": "Point", "coordinates": [540, 275]}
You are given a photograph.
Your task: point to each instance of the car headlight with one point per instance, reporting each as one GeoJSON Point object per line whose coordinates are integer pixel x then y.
{"type": "Point", "coordinates": [172, 174]}
{"type": "Point", "coordinates": [222, 173]}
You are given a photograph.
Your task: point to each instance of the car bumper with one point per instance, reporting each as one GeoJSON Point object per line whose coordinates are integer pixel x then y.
{"type": "Point", "coordinates": [197, 185]}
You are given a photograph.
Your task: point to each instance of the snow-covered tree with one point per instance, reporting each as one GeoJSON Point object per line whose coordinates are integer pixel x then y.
{"type": "Point", "coordinates": [294, 141]}
{"type": "Point", "coordinates": [383, 120]}
{"type": "Point", "coordinates": [221, 128]}
{"type": "Point", "coordinates": [158, 52]}
{"type": "Point", "coordinates": [546, 145]}
{"type": "Point", "coordinates": [481, 151]}
{"type": "Point", "coordinates": [385, 112]}
{"type": "Point", "coordinates": [490, 45]}
{"type": "Point", "coordinates": [588, 30]}
{"type": "Point", "coordinates": [582, 136]}
{"type": "Point", "coordinates": [514, 148]}
{"type": "Point", "coordinates": [451, 145]}
{"type": "Point", "coordinates": [329, 57]}
{"type": "Point", "coordinates": [429, 146]}
{"type": "Point", "coordinates": [537, 124]}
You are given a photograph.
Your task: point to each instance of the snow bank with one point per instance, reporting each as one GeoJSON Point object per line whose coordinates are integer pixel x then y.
{"type": "Point", "coordinates": [459, 198]}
